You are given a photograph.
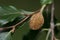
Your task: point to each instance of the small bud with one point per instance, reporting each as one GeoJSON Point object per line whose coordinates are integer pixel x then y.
{"type": "Point", "coordinates": [36, 21]}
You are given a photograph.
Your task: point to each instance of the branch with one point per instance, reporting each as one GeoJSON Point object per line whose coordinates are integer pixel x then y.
{"type": "Point", "coordinates": [52, 22]}
{"type": "Point", "coordinates": [14, 26]}
{"type": "Point", "coordinates": [51, 30]}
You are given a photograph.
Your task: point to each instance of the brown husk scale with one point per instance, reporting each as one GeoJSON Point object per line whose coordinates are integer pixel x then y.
{"type": "Point", "coordinates": [36, 21]}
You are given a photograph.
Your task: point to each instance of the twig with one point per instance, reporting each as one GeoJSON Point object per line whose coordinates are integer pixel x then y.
{"type": "Point", "coordinates": [43, 6]}
{"type": "Point", "coordinates": [51, 25]}
{"type": "Point", "coordinates": [52, 22]}
{"type": "Point", "coordinates": [21, 21]}
{"type": "Point", "coordinates": [13, 27]}
{"type": "Point", "coordinates": [44, 29]}
{"type": "Point", "coordinates": [5, 28]}
{"type": "Point", "coordinates": [49, 31]}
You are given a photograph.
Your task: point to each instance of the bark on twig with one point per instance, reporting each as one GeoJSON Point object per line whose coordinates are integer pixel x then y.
{"type": "Point", "coordinates": [52, 22]}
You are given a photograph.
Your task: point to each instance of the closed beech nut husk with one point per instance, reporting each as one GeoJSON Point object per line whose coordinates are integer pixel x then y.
{"type": "Point", "coordinates": [36, 21]}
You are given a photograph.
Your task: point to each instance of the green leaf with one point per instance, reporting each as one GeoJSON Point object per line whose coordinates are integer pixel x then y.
{"type": "Point", "coordinates": [46, 2]}
{"type": "Point", "coordinates": [5, 36]}
{"type": "Point", "coordinates": [6, 10]}
{"type": "Point", "coordinates": [8, 18]}
{"type": "Point", "coordinates": [9, 14]}
{"type": "Point", "coordinates": [26, 12]}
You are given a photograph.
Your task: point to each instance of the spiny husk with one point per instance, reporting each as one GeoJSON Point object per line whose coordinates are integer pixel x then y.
{"type": "Point", "coordinates": [36, 21]}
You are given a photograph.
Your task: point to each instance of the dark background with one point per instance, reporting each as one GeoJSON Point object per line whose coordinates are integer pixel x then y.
{"type": "Point", "coordinates": [22, 4]}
